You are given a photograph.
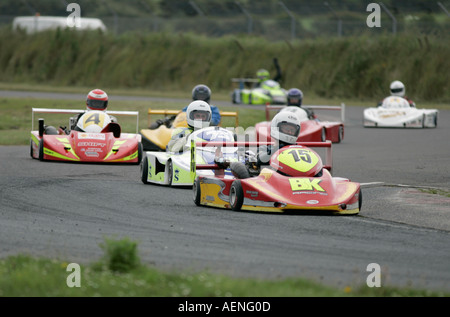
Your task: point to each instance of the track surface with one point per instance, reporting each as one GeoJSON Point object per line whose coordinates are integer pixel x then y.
{"type": "Point", "coordinates": [65, 210]}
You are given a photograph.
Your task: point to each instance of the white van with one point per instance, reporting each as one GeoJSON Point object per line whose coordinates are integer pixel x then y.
{"type": "Point", "coordinates": [38, 23]}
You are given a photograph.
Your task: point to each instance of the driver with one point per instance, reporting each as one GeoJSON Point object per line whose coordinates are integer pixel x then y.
{"type": "Point", "coordinates": [96, 100]}
{"type": "Point", "coordinates": [397, 88]}
{"type": "Point", "coordinates": [198, 115]}
{"type": "Point", "coordinates": [263, 74]}
{"type": "Point", "coordinates": [295, 98]}
{"type": "Point", "coordinates": [284, 130]}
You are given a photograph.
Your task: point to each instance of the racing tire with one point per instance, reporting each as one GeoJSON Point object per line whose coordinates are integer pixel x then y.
{"type": "Point", "coordinates": [236, 195]}
{"type": "Point", "coordinates": [31, 149]}
{"type": "Point", "coordinates": [169, 172]}
{"type": "Point", "coordinates": [140, 153]}
{"type": "Point", "coordinates": [239, 170]}
{"type": "Point", "coordinates": [423, 120]}
{"type": "Point", "coordinates": [144, 170]}
{"type": "Point", "coordinates": [323, 135]}
{"type": "Point", "coordinates": [360, 200]}
{"type": "Point", "coordinates": [340, 134]}
{"type": "Point", "coordinates": [196, 191]}
{"type": "Point", "coordinates": [41, 150]}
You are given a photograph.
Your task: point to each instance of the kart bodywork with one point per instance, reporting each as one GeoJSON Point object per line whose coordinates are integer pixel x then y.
{"type": "Point", "coordinates": [269, 92]}
{"type": "Point", "coordinates": [174, 169]}
{"type": "Point", "coordinates": [271, 191]}
{"type": "Point", "coordinates": [312, 130]}
{"type": "Point", "coordinates": [156, 139]}
{"type": "Point", "coordinates": [395, 112]}
{"type": "Point", "coordinates": [108, 146]}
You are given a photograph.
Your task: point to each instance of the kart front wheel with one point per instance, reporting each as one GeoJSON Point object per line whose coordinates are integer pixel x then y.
{"type": "Point", "coordinates": [196, 191]}
{"type": "Point", "coordinates": [169, 172]}
{"type": "Point", "coordinates": [144, 170]}
{"type": "Point", "coordinates": [239, 170]}
{"type": "Point", "coordinates": [324, 135]}
{"type": "Point", "coordinates": [236, 195]}
{"type": "Point", "coordinates": [340, 134]}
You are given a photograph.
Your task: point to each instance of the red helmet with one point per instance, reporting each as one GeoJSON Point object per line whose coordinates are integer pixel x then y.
{"type": "Point", "coordinates": [296, 161]}
{"type": "Point", "coordinates": [97, 99]}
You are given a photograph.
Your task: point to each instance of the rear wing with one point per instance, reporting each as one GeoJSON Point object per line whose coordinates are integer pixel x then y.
{"type": "Point", "coordinates": [340, 108]}
{"type": "Point", "coordinates": [175, 112]}
{"type": "Point", "coordinates": [241, 81]}
{"type": "Point", "coordinates": [328, 164]}
{"type": "Point", "coordinates": [70, 111]}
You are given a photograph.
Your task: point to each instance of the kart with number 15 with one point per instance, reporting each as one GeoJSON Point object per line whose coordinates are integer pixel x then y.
{"type": "Point", "coordinates": [297, 180]}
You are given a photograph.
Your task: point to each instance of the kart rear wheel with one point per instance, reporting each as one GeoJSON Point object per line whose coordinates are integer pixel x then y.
{"type": "Point", "coordinates": [144, 170]}
{"type": "Point", "coordinates": [196, 191]}
{"type": "Point", "coordinates": [236, 195]}
{"type": "Point", "coordinates": [239, 170]}
{"type": "Point", "coordinates": [360, 200]}
{"type": "Point", "coordinates": [140, 152]}
{"type": "Point", "coordinates": [340, 134]}
{"type": "Point", "coordinates": [31, 149]}
{"type": "Point", "coordinates": [41, 150]}
{"type": "Point", "coordinates": [324, 135]}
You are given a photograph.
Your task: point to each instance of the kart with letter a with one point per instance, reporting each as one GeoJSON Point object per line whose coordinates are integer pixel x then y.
{"type": "Point", "coordinates": [101, 140]}
{"type": "Point", "coordinates": [296, 180]}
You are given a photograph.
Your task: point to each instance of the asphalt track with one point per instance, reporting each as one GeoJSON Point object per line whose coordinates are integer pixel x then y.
{"type": "Point", "coordinates": [65, 210]}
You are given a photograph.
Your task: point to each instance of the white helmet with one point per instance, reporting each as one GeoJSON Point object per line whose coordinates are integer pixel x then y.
{"type": "Point", "coordinates": [285, 127]}
{"type": "Point", "coordinates": [397, 88]}
{"type": "Point", "coordinates": [198, 114]}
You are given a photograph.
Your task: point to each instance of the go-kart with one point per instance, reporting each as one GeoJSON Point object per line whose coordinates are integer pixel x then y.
{"type": "Point", "coordinates": [303, 184]}
{"type": "Point", "coordinates": [270, 92]}
{"type": "Point", "coordinates": [108, 144]}
{"type": "Point", "coordinates": [174, 169]}
{"type": "Point", "coordinates": [312, 129]}
{"type": "Point", "coordinates": [396, 112]}
{"type": "Point", "coordinates": [158, 134]}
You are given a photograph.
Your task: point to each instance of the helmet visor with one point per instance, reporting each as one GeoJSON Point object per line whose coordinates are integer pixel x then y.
{"type": "Point", "coordinates": [289, 128]}
{"type": "Point", "coordinates": [201, 95]}
{"type": "Point", "coordinates": [396, 90]}
{"type": "Point", "coordinates": [200, 115]}
{"type": "Point", "coordinates": [97, 104]}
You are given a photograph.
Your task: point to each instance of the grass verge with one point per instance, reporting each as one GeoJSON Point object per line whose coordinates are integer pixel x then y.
{"type": "Point", "coordinates": [121, 274]}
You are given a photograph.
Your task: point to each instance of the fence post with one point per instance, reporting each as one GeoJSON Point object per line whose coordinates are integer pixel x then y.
{"type": "Point", "coordinates": [292, 19]}
{"type": "Point", "coordinates": [394, 20]}
{"type": "Point", "coordinates": [339, 27]}
{"type": "Point", "coordinates": [249, 18]}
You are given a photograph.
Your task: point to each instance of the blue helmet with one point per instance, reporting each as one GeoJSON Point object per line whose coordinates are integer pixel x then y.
{"type": "Point", "coordinates": [294, 97]}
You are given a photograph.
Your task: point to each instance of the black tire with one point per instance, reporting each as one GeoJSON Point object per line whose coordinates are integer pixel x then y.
{"type": "Point", "coordinates": [41, 150]}
{"type": "Point", "coordinates": [340, 134]}
{"type": "Point", "coordinates": [196, 191]}
{"type": "Point", "coordinates": [31, 149]}
{"type": "Point", "coordinates": [360, 200]}
{"type": "Point", "coordinates": [236, 195]}
{"type": "Point", "coordinates": [144, 170]}
{"type": "Point", "coordinates": [170, 172]}
{"type": "Point", "coordinates": [140, 152]}
{"type": "Point", "coordinates": [423, 121]}
{"type": "Point", "coordinates": [239, 170]}
{"type": "Point", "coordinates": [323, 135]}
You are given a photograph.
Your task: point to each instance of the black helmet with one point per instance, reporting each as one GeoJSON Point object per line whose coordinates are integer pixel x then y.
{"type": "Point", "coordinates": [294, 97]}
{"type": "Point", "coordinates": [201, 92]}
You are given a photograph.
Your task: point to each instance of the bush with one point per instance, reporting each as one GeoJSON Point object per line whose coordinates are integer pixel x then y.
{"type": "Point", "coordinates": [121, 255]}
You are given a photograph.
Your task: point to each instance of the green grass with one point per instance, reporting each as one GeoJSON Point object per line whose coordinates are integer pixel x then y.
{"type": "Point", "coordinates": [16, 116]}
{"type": "Point", "coordinates": [120, 273]}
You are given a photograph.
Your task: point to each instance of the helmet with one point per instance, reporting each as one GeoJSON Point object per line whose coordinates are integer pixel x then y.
{"type": "Point", "coordinates": [294, 97]}
{"type": "Point", "coordinates": [262, 74]}
{"type": "Point", "coordinates": [93, 121]}
{"type": "Point", "coordinates": [285, 127]}
{"type": "Point", "coordinates": [198, 114]}
{"type": "Point", "coordinates": [300, 112]}
{"type": "Point", "coordinates": [201, 92]}
{"type": "Point", "coordinates": [397, 88]}
{"type": "Point", "coordinates": [296, 160]}
{"type": "Point", "coordinates": [97, 99]}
